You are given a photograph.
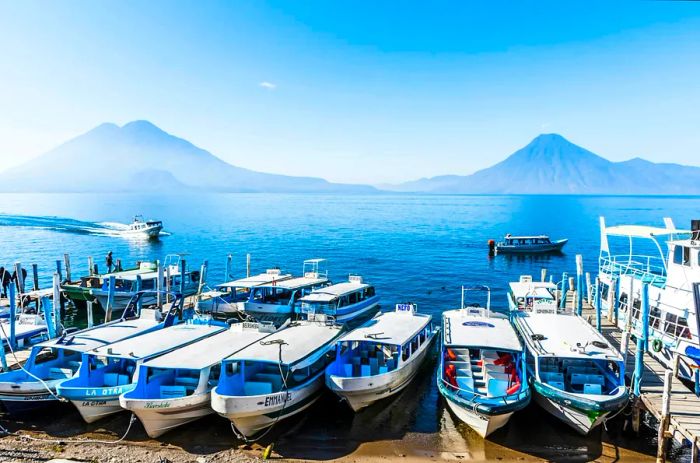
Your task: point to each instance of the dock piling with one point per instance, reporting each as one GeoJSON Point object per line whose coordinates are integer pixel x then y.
{"type": "Point", "coordinates": [202, 277]}
{"type": "Point", "coordinates": [90, 316]}
{"type": "Point", "coordinates": [20, 277]}
{"type": "Point", "coordinates": [58, 269]}
{"type": "Point", "coordinates": [642, 341]}
{"type": "Point", "coordinates": [159, 285]}
{"type": "Point", "coordinates": [579, 284]}
{"type": "Point", "coordinates": [665, 418]}
{"type": "Point", "coordinates": [110, 298]}
{"type": "Point", "coordinates": [543, 275]}
{"type": "Point", "coordinates": [247, 265]}
{"type": "Point", "coordinates": [598, 309]}
{"type": "Point", "coordinates": [183, 272]}
{"type": "Point", "coordinates": [564, 280]}
{"type": "Point", "coordinates": [229, 262]}
{"type": "Point", "coordinates": [56, 308]}
{"type": "Point", "coordinates": [12, 342]}
{"type": "Point", "coordinates": [66, 261]}
{"type": "Point", "coordinates": [35, 277]}
{"type": "Point", "coordinates": [589, 295]}
{"type": "Point", "coordinates": [139, 286]}
{"type": "Point", "coordinates": [91, 266]}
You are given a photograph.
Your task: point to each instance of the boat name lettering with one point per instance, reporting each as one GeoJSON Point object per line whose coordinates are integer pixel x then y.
{"type": "Point", "coordinates": [157, 405]}
{"type": "Point", "coordinates": [105, 391]}
{"type": "Point", "coordinates": [93, 403]}
{"type": "Point", "coordinates": [273, 400]}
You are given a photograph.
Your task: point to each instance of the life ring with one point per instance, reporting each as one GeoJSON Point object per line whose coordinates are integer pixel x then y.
{"type": "Point", "coordinates": [657, 345]}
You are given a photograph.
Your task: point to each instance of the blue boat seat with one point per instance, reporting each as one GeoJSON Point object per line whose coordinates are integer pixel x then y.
{"type": "Point", "coordinates": [490, 367]}
{"type": "Point", "coordinates": [391, 364]}
{"type": "Point", "coordinates": [466, 383]}
{"type": "Point", "coordinates": [383, 369]}
{"type": "Point", "coordinates": [60, 373]}
{"type": "Point", "coordinates": [172, 392]}
{"type": "Point", "coordinates": [256, 388]}
{"type": "Point", "coordinates": [592, 389]}
{"type": "Point", "coordinates": [373, 365]}
{"type": "Point", "coordinates": [365, 370]}
{"type": "Point", "coordinates": [584, 370]}
{"type": "Point", "coordinates": [347, 370]}
{"type": "Point", "coordinates": [578, 378]}
{"type": "Point", "coordinates": [115, 379]}
{"type": "Point", "coordinates": [74, 365]}
{"type": "Point", "coordinates": [497, 387]}
{"type": "Point", "coordinates": [557, 384]}
{"type": "Point", "coordinates": [355, 360]}
{"type": "Point", "coordinates": [274, 379]}
{"type": "Point", "coordinates": [552, 377]}
{"type": "Point", "coordinates": [186, 381]}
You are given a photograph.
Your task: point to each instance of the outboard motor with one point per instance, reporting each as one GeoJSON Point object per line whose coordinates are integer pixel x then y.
{"type": "Point", "coordinates": [492, 248]}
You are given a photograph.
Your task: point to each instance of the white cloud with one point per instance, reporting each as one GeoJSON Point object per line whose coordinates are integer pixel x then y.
{"type": "Point", "coordinates": [267, 85]}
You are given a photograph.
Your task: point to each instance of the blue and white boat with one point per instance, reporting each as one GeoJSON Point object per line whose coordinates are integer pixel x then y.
{"type": "Point", "coordinates": [34, 384]}
{"type": "Point", "coordinates": [482, 374]}
{"type": "Point", "coordinates": [230, 297]}
{"type": "Point", "coordinates": [345, 302]}
{"type": "Point", "coordinates": [577, 375]}
{"type": "Point", "coordinates": [529, 244]}
{"type": "Point", "coordinates": [175, 388]}
{"type": "Point", "coordinates": [109, 371]}
{"type": "Point", "coordinates": [380, 358]}
{"type": "Point", "coordinates": [279, 298]}
{"type": "Point", "coordinates": [30, 329]}
{"type": "Point", "coordinates": [277, 377]}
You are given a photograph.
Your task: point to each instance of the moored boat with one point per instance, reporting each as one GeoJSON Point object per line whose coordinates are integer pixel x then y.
{"type": "Point", "coordinates": [577, 375]}
{"type": "Point", "coordinates": [175, 388]}
{"type": "Point", "coordinates": [230, 297]}
{"type": "Point", "coordinates": [345, 302]}
{"type": "Point", "coordinates": [380, 358]}
{"type": "Point", "coordinates": [109, 371]}
{"type": "Point", "coordinates": [482, 373]}
{"type": "Point", "coordinates": [277, 377]}
{"type": "Point", "coordinates": [529, 244]}
{"type": "Point", "coordinates": [34, 385]}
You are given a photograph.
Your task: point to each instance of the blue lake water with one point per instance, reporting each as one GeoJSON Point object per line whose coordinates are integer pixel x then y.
{"type": "Point", "coordinates": [411, 247]}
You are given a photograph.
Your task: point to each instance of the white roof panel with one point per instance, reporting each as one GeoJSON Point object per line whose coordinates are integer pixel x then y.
{"type": "Point", "coordinates": [255, 280]}
{"type": "Point", "coordinates": [158, 342]}
{"type": "Point", "coordinates": [642, 231]}
{"type": "Point", "coordinates": [390, 328]}
{"type": "Point", "coordinates": [333, 291]}
{"type": "Point", "coordinates": [209, 351]}
{"type": "Point", "coordinates": [93, 338]}
{"type": "Point", "coordinates": [561, 334]}
{"type": "Point", "coordinates": [532, 289]}
{"type": "Point", "coordinates": [301, 339]}
{"type": "Point", "coordinates": [295, 283]}
{"type": "Point", "coordinates": [494, 332]}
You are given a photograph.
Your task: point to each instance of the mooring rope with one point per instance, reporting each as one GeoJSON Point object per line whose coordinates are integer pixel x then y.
{"type": "Point", "coordinates": [70, 441]}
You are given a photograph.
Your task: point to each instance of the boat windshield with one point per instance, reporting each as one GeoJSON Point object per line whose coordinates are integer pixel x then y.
{"type": "Point", "coordinates": [365, 358]}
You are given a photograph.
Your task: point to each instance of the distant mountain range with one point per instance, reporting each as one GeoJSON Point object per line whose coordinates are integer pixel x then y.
{"type": "Point", "coordinates": [141, 157]}
{"type": "Point", "coordinates": [550, 164]}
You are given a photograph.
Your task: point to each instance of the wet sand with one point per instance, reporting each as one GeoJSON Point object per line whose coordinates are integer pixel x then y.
{"type": "Point", "coordinates": [413, 426]}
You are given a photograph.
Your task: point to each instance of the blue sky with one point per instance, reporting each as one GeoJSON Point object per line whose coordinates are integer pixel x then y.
{"type": "Point", "coordinates": [365, 92]}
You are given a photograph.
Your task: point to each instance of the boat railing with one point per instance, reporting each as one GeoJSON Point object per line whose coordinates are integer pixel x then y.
{"type": "Point", "coordinates": [649, 269]}
{"type": "Point", "coordinates": [663, 328]}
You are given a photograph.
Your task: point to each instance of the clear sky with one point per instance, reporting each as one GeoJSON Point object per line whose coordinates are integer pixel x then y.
{"type": "Point", "coordinates": [353, 91]}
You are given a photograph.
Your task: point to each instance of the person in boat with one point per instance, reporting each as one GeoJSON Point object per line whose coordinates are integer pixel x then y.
{"type": "Point", "coordinates": [109, 261]}
{"type": "Point", "coordinates": [5, 280]}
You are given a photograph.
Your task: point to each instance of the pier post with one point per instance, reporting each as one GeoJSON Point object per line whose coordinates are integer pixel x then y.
{"type": "Point", "coordinates": [579, 285]}
{"type": "Point", "coordinates": [66, 261]}
{"type": "Point", "coordinates": [564, 279]}
{"type": "Point", "coordinates": [139, 285]}
{"type": "Point", "coordinates": [58, 268]}
{"type": "Point", "coordinates": [167, 284]}
{"type": "Point", "coordinates": [598, 308]}
{"type": "Point", "coordinates": [614, 307]}
{"type": "Point", "coordinates": [35, 277]}
{"type": "Point", "coordinates": [183, 270]}
{"type": "Point", "coordinates": [56, 305]}
{"type": "Point", "coordinates": [247, 265]}
{"type": "Point", "coordinates": [118, 267]}
{"type": "Point", "coordinates": [3, 359]}
{"type": "Point", "coordinates": [90, 316]}
{"type": "Point", "coordinates": [110, 298]}
{"type": "Point", "coordinates": [13, 315]}
{"type": "Point", "coordinates": [159, 285]}
{"type": "Point", "coordinates": [20, 277]}
{"type": "Point", "coordinates": [642, 340]}
{"type": "Point", "coordinates": [543, 275]}
{"type": "Point", "coordinates": [91, 266]}
{"type": "Point", "coordinates": [665, 417]}
{"type": "Point", "coordinates": [202, 276]}
{"type": "Point", "coordinates": [229, 262]}
{"type": "Point", "coordinates": [589, 297]}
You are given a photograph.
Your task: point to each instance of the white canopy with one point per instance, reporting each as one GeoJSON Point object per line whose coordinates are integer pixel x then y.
{"type": "Point", "coordinates": [395, 328]}
{"type": "Point", "coordinates": [93, 338]}
{"type": "Point", "coordinates": [465, 330]}
{"type": "Point", "coordinates": [255, 280]}
{"type": "Point", "coordinates": [332, 292]}
{"type": "Point", "coordinates": [642, 231]}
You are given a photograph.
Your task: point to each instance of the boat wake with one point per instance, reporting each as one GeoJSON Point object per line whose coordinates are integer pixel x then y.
{"type": "Point", "coordinates": [66, 225]}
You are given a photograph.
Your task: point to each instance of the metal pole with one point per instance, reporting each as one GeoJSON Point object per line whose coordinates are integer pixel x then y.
{"type": "Point", "coordinates": [183, 269]}
{"type": "Point", "coordinates": [13, 315]}
{"type": "Point", "coordinates": [598, 301]}
{"type": "Point", "coordinates": [642, 340]}
{"type": "Point", "coordinates": [564, 279]}
{"type": "Point", "coordinates": [202, 276]}
{"type": "Point", "coordinates": [66, 260]}
{"type": "Point", "coordinates": [543, 275]}
{"type": "Point", "coordinates": [588, 288]}
{"type": "Point", "coordinates": [167, 284]}
{"type": "Point", "coordinates": [247, 265]}
{"type": "Point", "coordinates": [110, 298]}
{"type": "Point", "coordinates": [20, 278]}
{"type": "Point", "coordinates": [56, 304]}
{"type": "Point", "coordinates": [139, 299]}
{"type": "Point", "coordinates": [35, 277]}
{"type": "Point", "coordinates": [58, 268]}
{"type": "Point", "coordinates": [579, 285]}
{"type": "Point", "coordinates": [91, 266]}
{"type": "Point", "coordinates": [159, 285]}
{"type": "Point", "coordinates": [229, 261]}
{"type": "Point", "coordinates": [90, 316]}
{"type": "Point", "coordinates": [665, 417]}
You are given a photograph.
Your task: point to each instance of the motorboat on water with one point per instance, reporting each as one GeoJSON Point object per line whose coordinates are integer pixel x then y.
{"type": "Point", "coordinates": [577, 376]}
{"type": "Point", "coordinates": [666, 261]}
{"type": "Point", "coordinates": [175, 388]}
{"type": "Point", "coordinates": [482, 374]}
{"type": "Point", "coordinates": [380, 358]}
{"type": "Point", "coordinates": [34, 384]}
{"type": "Point", "coordinates": [109, 371]}
{"type": "Point", "coordinates": [127, 284]}
{"type": "Point", "coordinates": [529, 244]}
{"type": "Point", "coordinates": [30, 329]}
{"type": "Point", "coordinates": [277, 377]}
{"type": "Point", "coordinates": [230, 297]}
{"type": "Point", "coordinates": [279, 298]}
{"type": "Point", "coordinates": [345, 302]}
{"type": "Point", "coordinates": [146, 228]}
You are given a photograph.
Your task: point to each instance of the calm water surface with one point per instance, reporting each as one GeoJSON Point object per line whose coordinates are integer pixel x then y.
{"type": "Point", "coordinates": [411, 247]}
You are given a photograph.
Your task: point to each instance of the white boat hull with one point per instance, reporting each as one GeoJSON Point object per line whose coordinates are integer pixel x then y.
{"type": "Point", "coordinates": [484, 425]}
{"type": "Point", "coordinates": [252, 414]}
{"type": "Point", "coordinates": [93, 410]}
{"type": "Point", "coordinates": [577, 419]}
{"type": "Point", "coordinates": [361, 392]}
{"type": "Point", "coordinates": [159, 416]}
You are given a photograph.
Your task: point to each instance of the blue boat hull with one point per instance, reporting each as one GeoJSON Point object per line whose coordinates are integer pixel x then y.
{"type": "Point", "coordinates": [531, 248]}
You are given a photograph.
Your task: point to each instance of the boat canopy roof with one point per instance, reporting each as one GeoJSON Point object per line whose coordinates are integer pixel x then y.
{"type": "Point", "coordinates": [93, 338]}
{"type": "Point", "coordinates": [255, 280]}
{"type": "Point", "coordinates": [562, 333]}
{"type": "Point", "coordinates": [394, 328]}
{"type": "Point", "coordinates": [295, 283]}
{"type": "Point", "coordinates": [534, 289]}
{"type": "Point", "coordinates": [158, 342]}
{"type": "Point", "coordinates": [332, 292]}
{"type": "Point", "coordinates": [642, 231]}
{"type": "Point", "coordinates": [526, 237]}
{"type": "Point", "coordinates": [492, 332]}
{"type": "Point", "coordinates": [300, 340]}
{"type": "Point", "coordinates": [210, 351]}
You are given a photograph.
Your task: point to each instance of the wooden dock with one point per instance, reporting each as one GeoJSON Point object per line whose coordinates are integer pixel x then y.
{"type": "Point", "coordinates": [684, 417]}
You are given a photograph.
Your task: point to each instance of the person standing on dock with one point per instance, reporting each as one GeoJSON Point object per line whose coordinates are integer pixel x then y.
{"type": "Point", "coordinates": [5, 280]}
{"type": "Point", "coordinates": [110, 261]}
